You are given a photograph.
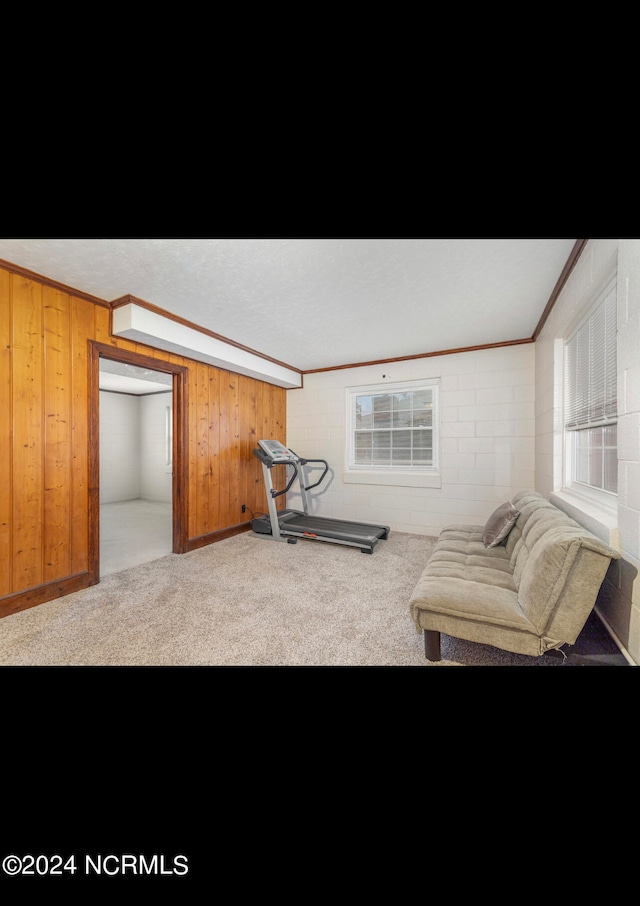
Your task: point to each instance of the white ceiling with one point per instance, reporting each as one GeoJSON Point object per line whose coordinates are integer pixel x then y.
{"type": "Point", "coordinates": [120, 377]}
{"type": "Point", "coordinates": [319, 303]}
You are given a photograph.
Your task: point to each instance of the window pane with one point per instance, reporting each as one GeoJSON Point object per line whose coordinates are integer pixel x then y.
{"type": "Point", "coordinates": [610, 435]}
{"type": "Point", "coordinates": [611, 471]}
{"type": "Point", "coordinates": [590, 394]}
{"type": "Point", "coordinates": [596, 458]}
{"type": "Point", "coordinates": [422, 417]}
{"type": "Point", "coordinates": [364, 410]}
{"type": "Point", "coordinates": [381, 403]}
{"type": "Point", "coordinates": [401, 457]}
{"type": "Point", "coordinates": [402, 439]}
{"type": "Point", "coordinates": [393, 428]}
{"type": "Point", "coordinates": [401, 401]}
{"type": "Point", "coordinates": [381, 419]}
{"type": "Point", "coordinates": [363, 448]}
{"type": "Point", "coordinates": [402, 419]}
{"type": "Point", "coordinates": [422, 399]}
{"type": "Point", "coordinates": [582, 466]}
{"type": "Point", "coordinates": [422, 451]}
{"type": "Point", "coordinates": [381, 448]}
{"type": "Point", "coordinates": [582, 457]}
{"type": "Point", "coordinates": [595, 467]}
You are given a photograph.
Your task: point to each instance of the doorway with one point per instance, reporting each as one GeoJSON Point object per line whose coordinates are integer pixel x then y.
{"type": "Point", "coordinates": [136, 465]}
{"type": "Point", "coordinates": [137, 460]}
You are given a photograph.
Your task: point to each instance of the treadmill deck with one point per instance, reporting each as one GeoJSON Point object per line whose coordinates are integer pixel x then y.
{"type": "Point", "coordinates": [293, 522]}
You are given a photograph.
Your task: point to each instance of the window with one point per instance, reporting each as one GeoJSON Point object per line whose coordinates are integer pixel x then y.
{"type": "Point", "coordinates": [393, 427]}
{"type": "Point", "coordinates": [591, 412]}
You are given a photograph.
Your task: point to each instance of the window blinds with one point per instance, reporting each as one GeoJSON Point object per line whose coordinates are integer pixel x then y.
{"type": "Point", "coordinates": [590, 367]}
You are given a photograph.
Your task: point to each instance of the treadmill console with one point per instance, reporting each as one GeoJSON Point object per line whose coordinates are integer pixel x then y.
{"type": "Point", "coordinates": [276, 451]}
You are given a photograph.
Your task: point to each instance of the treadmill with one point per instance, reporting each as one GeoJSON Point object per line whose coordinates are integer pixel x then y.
{"type": "Point", "coordinates": [289, 525]}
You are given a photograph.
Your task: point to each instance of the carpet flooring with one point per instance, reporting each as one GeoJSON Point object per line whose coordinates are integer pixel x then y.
{"type": "Point", "coordinates": [248, 601]}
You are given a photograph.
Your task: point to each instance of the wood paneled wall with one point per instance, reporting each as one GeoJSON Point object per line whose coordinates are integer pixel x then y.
{"type": "Point", "coordinates": [44, 440]}
{"type": "Point", "coordinates": [228, 414]}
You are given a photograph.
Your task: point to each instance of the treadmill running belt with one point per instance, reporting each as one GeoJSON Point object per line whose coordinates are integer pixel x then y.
{"type": "Point", "coordinates": [325, 527]}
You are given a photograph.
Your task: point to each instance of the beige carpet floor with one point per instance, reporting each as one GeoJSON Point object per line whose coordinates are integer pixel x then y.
{"type": "Point", "coordinates": [247, 601]}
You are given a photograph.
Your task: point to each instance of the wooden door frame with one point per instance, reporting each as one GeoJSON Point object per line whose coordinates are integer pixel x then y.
{"type": "Point", "coordinates": [180, 494]}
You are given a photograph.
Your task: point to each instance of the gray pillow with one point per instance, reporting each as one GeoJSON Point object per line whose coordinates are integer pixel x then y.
{"type": "Point", "coordinates": [499, 524]}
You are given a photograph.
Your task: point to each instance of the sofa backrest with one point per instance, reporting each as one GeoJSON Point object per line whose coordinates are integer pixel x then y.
{"type": "Point", "coordinates": [558, 566]}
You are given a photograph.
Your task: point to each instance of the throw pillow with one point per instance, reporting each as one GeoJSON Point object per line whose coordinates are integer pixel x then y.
{"type": "Point", "coordinates": [499, 524]}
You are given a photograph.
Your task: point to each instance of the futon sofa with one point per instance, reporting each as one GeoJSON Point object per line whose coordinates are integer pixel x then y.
{"type": "Point", "coordinates": [525, 582]}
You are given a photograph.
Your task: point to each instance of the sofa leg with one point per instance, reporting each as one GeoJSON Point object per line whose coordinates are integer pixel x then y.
{"type": "Point", "coordinates": [432, 645]}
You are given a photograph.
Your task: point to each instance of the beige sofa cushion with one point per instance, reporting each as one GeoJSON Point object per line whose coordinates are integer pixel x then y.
{"type": "Point", "coordinates": [532, 592]}
{"type": "Point", "coordinates": [460, 553]}
{"type": "Point", "coordinates": [543, 556]}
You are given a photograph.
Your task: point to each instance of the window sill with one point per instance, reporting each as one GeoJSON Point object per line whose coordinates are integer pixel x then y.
{"type": "Point", "coordinates": [600, 521]}
{"type": "Point", "coordinates": [397, 479]}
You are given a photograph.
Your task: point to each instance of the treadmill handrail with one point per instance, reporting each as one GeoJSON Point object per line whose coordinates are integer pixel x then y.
{"type": "Point", "coordinates": [326, 469]}
{"type": "Point", "coordinates": [269, 462]}
{"type": "Point", "coordinates": [274, 492]}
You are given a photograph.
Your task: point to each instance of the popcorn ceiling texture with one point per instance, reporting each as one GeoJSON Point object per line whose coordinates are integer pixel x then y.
{"type": "Point", "coordinates": [315, 303]}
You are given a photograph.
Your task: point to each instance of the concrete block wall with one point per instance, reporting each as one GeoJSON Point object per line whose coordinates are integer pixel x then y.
{"type": "Point", "coordinates": [487, 448]}
{"type": "Point", "coordinates": [619, 601]}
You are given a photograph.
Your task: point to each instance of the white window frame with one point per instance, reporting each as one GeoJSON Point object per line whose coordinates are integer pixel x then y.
{"type": "Point", "coordinates": [410, 475]}
{"type": "Point", "coordinates": [587, 420]}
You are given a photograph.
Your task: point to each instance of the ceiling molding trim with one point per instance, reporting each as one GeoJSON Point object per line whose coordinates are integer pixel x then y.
{"type": "Point", "coordinates": [572, 260]}
{"type": "Point", "coordinates": [142, 324]}
{"type": "Point", "coordinates": [422, 355]}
